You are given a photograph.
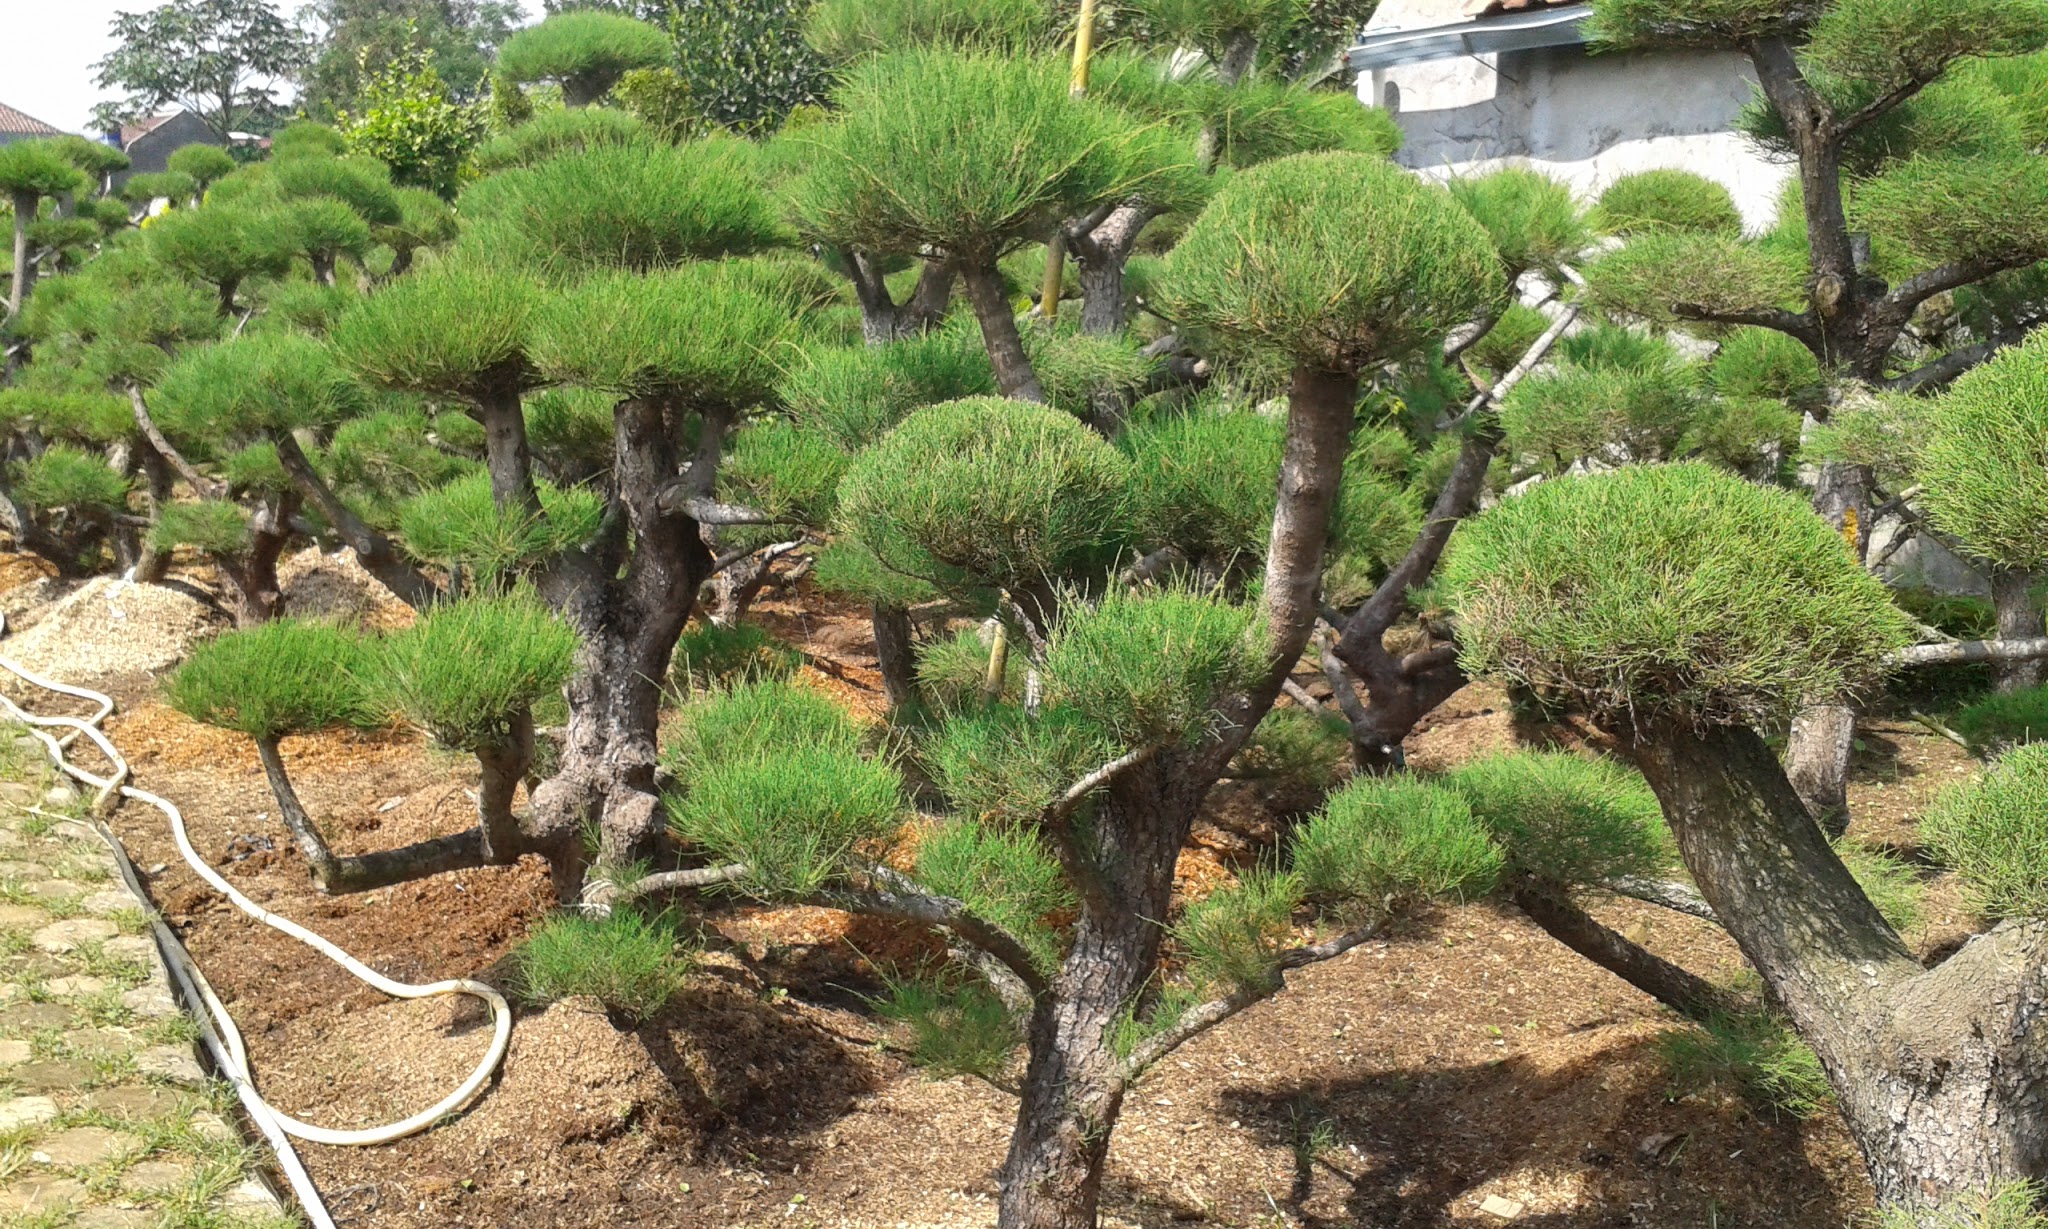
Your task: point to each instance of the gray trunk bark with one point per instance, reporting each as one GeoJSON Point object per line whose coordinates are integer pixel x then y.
{"type": "Point", "coordinates": [2020, 617]}
{"type": "Point", "coordinates": [1942, 1074]}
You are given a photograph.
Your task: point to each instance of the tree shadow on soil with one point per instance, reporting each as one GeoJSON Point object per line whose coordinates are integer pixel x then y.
{"type": "Point", "coordinates": [1398, 1147]}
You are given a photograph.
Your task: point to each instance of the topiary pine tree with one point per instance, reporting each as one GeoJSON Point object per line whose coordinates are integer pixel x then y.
{"type": "Point", "coordinates": [1110, 765]}
{"type": "Point", "coordinates": [1683, 610]}
{"type": "Point", "coordinates": [1908, 251]}
{"type": "Point", "coordinates": [969, 156]}
{"type": "Point", "coordinates": [585, 52]}
{"type": "Point", "coordinates": [467, 673]}
{"type": "Point", "coordinates": [30, 172]}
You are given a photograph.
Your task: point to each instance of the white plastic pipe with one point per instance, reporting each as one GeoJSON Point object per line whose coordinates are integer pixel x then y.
{"type": "Point", "coordinates": [232, 1054]}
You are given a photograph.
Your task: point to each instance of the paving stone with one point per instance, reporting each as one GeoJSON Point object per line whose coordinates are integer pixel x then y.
{"type": "Point", "coordinates": [135, 1101]}
{"type": "Point", "coordinates": [74, 830]}
{"type": "Point", "coordinates": [16, 793]}
{"type": "Point", "coordinates": [18, 1112]}
{"type": "Point", "coordinates": [41, 1194]}
{"type": "Point", "coordinates": [157, 1175]}
{"type": "Point", "coordinates": [10, 991]}
{"type": "Point", "coordinates": [135, 948]}
{"type": "Point", "coordinates": [103, 903]}
{"type": "Point", "coordinates": [253, 1195]}
{"type": "Point", "coordinates": [116, 1218]}
{"type": "Point", "coordinates": [51, 1076]}
{"type": "Point", "coordinates": [61, 795]}
{"type": "Point", "coordinates": [152, 1000]}
{"type": "Point", "coordinates": [173, 1063]}
{"type": "Point", "coordinates": [109, 1040]}
{"type": "Point", "coordinates": [13, 1053]}
{"type": "Point", "coordinates": [211, 1127]}
{"type": "Point", "coordinates": [33, 1017]}
{"type": "Point", "coordinates": [75, 987]}
{"type": "Point", "coordinates": [22, 870]}
{"type": "Point", "coordinates": [55, 891]}
{"type": "Point", "coordinates": [22, 917]}
{"type": "Point", "coordinates": [59, 938]}
{"type": "Point", "coordinates": [83, 1146]}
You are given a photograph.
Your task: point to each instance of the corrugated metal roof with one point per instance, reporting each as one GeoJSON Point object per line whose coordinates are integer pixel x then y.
{"type": "Point", "coordinates": [1490, 27]}
{"type": "Point", "coordinates": [14, 123]}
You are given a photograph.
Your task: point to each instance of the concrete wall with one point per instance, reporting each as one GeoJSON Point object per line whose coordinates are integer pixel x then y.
{"type": "Point", "coordinates": [1587, 119]}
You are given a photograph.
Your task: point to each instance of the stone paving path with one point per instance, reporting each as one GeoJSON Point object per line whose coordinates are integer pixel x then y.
{"type": "Point", "coordinates": [106, 1119]}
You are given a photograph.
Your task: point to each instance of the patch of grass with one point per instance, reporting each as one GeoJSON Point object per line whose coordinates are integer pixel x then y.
{"type": "Point", "coordinates": [1755, 1055]}
{"type": "Point", "coordinates": [710, 657]}
{"type": "Point", "coordinates": [1888, 880]}
{"type": "Point", "coordinates": [957, 1027]}
{"type": "Point", "coordinates": [2016, 1205]}
{"type": "Point", "coordinates": [2000, 722]}
{"type": "Point", "coordinates": [630, 963]}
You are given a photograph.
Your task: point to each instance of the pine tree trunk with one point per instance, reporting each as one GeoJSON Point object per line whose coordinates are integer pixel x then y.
{"type": "Point", "coordinates": [1074, 1082]}
{"type": "Point", "coordinates": [1941, 1075]}
{"type": "Point", "coordinates": [893, 650]}
{"type": "Point", "coordinates": [2020, 617]}
{"type": "Point", "coordinates": [1551, 907]}
{"type": "Point", "coordinates": [1014, 374]}
{"type": "Point", "coordinates": [24, 213]}
{"type": "Point", "coordinates": [1817, 762]}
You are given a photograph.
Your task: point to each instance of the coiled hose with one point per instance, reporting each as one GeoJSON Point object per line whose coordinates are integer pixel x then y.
{"type": "Point", "coordinates": [229, 1050]}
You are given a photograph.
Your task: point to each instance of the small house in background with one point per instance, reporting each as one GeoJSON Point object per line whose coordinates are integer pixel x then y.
{"type": "Point", "coordinates": [149, 143]}
{"type": "Point", "coordinates": [15, 126]}
{"type": "Point", "coordinates": [1479, 83]}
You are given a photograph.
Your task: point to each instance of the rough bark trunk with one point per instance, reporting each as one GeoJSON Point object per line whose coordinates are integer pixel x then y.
{"type": "Point", "coordinates": [1074, 1082]}
{"type": "Point", "coordinates": [507, 455]}
{"type": "Point", "coordinates": [2015, 598]}
{"type": "Point", "coordinates": [258, 594]}
{"type": "Point", "coordinates": [1102, 255]}
{"type": "Point", "coordinates": [893, 650]}
{"type": "Point", "coordinates": [1014, 374]}
{"type": "Point", "coordinates": [628, 613]}
{"type": "Point", "coordinates": [1551, 907]}
{"type": "Point", "coordinates": [1941, 1075]}
{"type": "Point", "coordinates": [882, 319]}
{"type": "Point", "coordinates": [1817, 762]}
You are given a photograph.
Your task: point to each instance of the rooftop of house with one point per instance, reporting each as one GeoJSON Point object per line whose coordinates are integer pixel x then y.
{"type": "Point", "coordinates": [1410, 31]}
{"type": "Point", "coordinates": [14, 123]}
{"type": "Point", "coordinates": [130, 133]}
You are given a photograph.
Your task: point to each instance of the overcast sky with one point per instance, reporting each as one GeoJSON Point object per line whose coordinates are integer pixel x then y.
{"type": "Point", "coordinates": [51, 46]}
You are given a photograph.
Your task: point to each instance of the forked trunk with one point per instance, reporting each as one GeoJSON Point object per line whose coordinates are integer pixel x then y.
{"type": "Point", "coordinates": [893, 650]}
{"type": "Point", "coordinates": [1075, 1080]}
{"type": "Point", "coordinates": [1015, 376]}
{"type": "Point", "coordinates": [1942, 1074]}
{"type": "Point", "coordinates": [2016, 599]}
{"type": "Point", "coordinates": [628, 613]}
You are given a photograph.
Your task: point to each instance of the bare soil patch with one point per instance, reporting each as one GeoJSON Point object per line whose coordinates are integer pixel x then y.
{"type": "Point", "coordinates": [1463, 1057]}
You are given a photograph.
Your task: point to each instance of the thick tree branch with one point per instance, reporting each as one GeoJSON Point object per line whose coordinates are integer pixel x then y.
{"type": "Point", "coordinates": [1970, 651]}
{"type": "Point", "coordinates": [1944, 370]}
{"type": "Point", "coordinates": [678, 499]}
{"type": "Point", "coordinates": [1793, 324]}
{"type": "Point", "coordinates": [1914, 291]}
{"type": "Point", "coordinates": [1677, 897]}
{"type": "Point", "coordinates": [894, 895]}
{"type": "Point", "coordinates": [1064, 806]}
{"type": "Point", "coordinates": [373, 550]}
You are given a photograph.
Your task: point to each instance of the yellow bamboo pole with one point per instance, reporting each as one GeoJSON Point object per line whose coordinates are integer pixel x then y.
{"type": "Point", "coordinates": [1056, 247]}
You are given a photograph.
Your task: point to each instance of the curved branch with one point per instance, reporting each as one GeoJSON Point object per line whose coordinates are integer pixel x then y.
{"type": "Point", "coordinates": [1677, 897]}
{"type": "Point", "coordinates": [1944, 370]}
{"type": "Point", "coordinates": [1794, 324]}
{"type": "Point", "coordinates": [373, 550]}
{"type": "Point", "coordinates": [898, 896]}
{"type": "Point", "coordinates": [200, 486]}
{"type": "Point", "coordinates": [1200, 1019]}
{"type": "Point", "coordinates": [1970, 651]}
{"type": "Point", "coordinates": [1070, 802]}
{"type": "Point", "coordinates": [1914, 291]}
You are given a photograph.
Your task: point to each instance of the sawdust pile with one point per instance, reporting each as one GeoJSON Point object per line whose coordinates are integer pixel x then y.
{"type": "Point", "coordinates": [108, 629]}
{"type": "Point", "coordinates": [338, 586]}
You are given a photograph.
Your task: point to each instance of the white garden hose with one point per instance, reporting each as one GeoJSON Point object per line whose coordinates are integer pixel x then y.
{"type": "Point", "coordinates": [236, 1060]}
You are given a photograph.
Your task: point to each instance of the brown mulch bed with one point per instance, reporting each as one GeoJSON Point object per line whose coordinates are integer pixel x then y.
{"type": "Point", "coordinates": [1465, 1056]}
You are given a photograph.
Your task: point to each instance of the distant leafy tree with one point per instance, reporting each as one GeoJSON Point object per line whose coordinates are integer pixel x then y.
{"type": "Point", "coordinates": [744, 62]}
{"type": "Point", "coordinates": [462, 35]}
{"type": "Point", "coordinates": [409, 119]}
{"type": "Point", "coordinates": [222, 60]}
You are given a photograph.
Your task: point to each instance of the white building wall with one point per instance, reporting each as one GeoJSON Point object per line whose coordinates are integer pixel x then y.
{"type": "Point", "coordinates": [1588, 119]}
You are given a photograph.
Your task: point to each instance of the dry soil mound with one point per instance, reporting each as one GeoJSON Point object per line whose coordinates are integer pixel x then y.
{"type": "Point", "coordinates": [108, 628]}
